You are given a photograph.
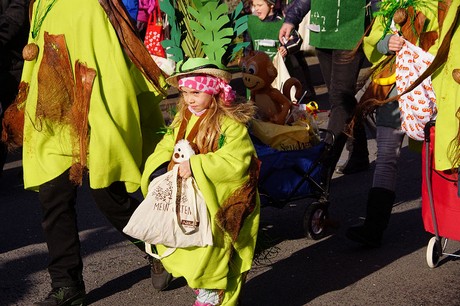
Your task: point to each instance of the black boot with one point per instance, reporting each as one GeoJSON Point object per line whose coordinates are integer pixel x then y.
{"type": "Point", "coordinates": [379, 205]}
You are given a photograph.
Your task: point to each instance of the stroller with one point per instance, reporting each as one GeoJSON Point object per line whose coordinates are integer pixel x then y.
{"type": "Point", "coordinates": [440, 202]}
{"type": "Point", "coordinates": [287, 176]}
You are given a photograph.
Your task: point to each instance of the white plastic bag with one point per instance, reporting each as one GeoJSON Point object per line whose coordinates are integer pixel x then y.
{"type": "Point", "coordinates": [173, 214]}
{"type": "Point", "coordinates": [418, 106]}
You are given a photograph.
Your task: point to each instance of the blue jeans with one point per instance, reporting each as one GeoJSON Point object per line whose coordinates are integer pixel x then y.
{"type": "Point", "coordinates": [389, 141]}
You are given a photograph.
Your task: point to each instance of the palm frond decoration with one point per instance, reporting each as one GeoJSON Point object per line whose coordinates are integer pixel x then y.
{"type": "Point", "coordinates": [203, 28]}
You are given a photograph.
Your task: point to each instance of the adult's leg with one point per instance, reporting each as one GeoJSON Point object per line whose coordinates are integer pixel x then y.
{"type": "Point", "coordinates": [117, 205]}
{"type": "Point", "coordinates": [340, 72]}
{"type": "Point", "coordinates": [59, 223]}
{"type": "Point", "coordinates": [298, 68]}
{"type": "Point", "coordinates": [381, 195]}
{"type": "Point", "coordinates": [389, 141]}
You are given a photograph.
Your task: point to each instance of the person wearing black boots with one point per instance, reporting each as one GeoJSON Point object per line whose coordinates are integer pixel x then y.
{"type": "Point", "coordinates": [379, 206]}
{"type": "Point", "coordinates": [389, 136]}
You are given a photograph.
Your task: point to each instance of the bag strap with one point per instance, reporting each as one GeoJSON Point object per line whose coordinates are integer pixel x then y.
{"type": "Point", "coordinates": [157, 14]}
{"type": "Point", "coordinates": [183, 127]}
{"type": "Point", "coordinates": [148, 250]}
{"type": "Point", "coordinates": [177, 190]}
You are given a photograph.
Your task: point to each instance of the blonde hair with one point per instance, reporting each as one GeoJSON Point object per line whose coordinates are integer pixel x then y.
{"type": "Point", "coordinates": [209, 132]}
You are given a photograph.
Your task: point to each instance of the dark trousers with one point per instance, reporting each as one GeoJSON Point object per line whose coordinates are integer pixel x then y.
{"type": "Point", "coordinates": [59, 223]}
{"type": "Point", "coordinates": [340, 72]}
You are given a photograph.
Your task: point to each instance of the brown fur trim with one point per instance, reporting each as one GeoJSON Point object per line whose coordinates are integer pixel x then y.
{"type": "Point", "coordinates": [240, 204]}
{"type": "Point", "coordinates": [55, 81]}
{"type": "Point", "coordinates": [84, 78]}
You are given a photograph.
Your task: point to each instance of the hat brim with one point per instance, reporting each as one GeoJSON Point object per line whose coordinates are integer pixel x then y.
{"type": "Point", "coordinates": [198, 66]}
{"type": "Point", "coordinates": [218, 73]}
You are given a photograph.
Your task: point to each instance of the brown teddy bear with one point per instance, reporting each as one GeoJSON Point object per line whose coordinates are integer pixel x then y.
{"type": "Point", "coordinates": [258, 75]}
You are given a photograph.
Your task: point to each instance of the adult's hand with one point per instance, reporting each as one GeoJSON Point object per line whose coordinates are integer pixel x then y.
{"type": "Point", "coordinates": [395, 43]}
{"type": "Point", "coordinates": [285, 32]}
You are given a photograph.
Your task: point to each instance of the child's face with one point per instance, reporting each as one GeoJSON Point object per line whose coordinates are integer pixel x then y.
{"type": "Point", "coordinates": [197, 100]}
{"type": "Point", "coordinates": [262, 9]}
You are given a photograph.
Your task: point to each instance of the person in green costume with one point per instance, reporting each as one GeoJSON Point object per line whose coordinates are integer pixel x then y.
{"type": "Point", "coordinates": [447, 90]}
{"type": "Point", "coordinates": [90, 94]}
{"type": "Point", "coordinates": [226, 171]}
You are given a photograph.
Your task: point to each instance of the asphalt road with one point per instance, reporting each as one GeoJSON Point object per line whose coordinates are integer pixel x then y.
{"type": "Point", "coordinates": [294, 271]}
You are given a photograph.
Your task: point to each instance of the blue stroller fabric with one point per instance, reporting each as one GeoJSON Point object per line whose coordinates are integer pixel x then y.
{"type": "Point", "coordinates": [282, 171]}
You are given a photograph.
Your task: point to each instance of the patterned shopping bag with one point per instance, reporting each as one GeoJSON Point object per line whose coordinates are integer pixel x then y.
{"type": "Point", "coordinates": [418, 106]}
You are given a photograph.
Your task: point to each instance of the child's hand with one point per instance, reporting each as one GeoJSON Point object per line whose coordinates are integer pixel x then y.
{"type": "Point", "coordinates": [185, 171]}
{"type": "Point", "coordinates": [395, 43]}
{"type": "Point", "coordinates": [282, 51]}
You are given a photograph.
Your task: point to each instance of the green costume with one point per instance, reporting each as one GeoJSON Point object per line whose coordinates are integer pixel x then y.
{"type": "Point", "coordinates": [264, 35]}
{"type": "Point", "coordinates": [447, 95]}
{"type": "Point", "coordinates": [124, 113]}
{"type": "Point", "coordinates": [218, 174]}
{"type": "Point", "coordinates": [336, 24]}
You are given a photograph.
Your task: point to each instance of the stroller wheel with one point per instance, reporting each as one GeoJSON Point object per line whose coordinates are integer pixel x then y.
{"type": "Point", "coordinates": [314, 220]}
{"type": "Point", "coordinates": [433, 252]}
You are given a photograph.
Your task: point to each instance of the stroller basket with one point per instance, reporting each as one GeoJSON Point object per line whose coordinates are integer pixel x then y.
{"type": "Point", "coordinates": [287, 176]}
{"type": "Point", "coordinates": [290, 175]}
{"type": "Point", "coordinates": [440, 202]}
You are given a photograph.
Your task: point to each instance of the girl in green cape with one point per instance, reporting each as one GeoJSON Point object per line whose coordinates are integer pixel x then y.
{"type": "Point", "coordinates": [225, 169]}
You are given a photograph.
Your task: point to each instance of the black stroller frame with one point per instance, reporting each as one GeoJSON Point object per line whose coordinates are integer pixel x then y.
{"type": "Point", "coordinates": [316, 213]}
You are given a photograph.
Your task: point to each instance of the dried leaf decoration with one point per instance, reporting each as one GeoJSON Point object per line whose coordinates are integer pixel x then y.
{"type": "Point", "coordinates": [13, 119]}
{"type": "Point", "coordinates": [55, 81]}
{"type": "Point", "coordinates": [64, 100]}
{"type": "Point", "coordinates": [84, 78]}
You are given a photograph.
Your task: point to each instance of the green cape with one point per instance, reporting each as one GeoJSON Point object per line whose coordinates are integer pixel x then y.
{"type": "Point", "coordinates": [218, 174]}
{"type": "Point", "coordinates": [447, 95]}
{"type": "Point", "coordinates": [124, 113]}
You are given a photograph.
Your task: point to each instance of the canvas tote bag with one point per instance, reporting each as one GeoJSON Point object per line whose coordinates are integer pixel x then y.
{"type": "Point", "coordinates": [173, 214]}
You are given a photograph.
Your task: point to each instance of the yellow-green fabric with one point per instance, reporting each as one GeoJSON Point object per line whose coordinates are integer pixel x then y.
{"type": "Point", "coordinates": [218, 174]}
{"type": "Point", "coordinates": [447, 95]}
{"type": "Point", "coordinates": [124, 114]}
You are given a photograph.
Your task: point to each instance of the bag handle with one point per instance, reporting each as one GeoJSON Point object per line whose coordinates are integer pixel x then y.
{"type": "Point", "coordinates": [177, 193]}
{"type": "Point", "coordinates": [155, 15]}
{"type": "Point", "coordinates": [148, 250]}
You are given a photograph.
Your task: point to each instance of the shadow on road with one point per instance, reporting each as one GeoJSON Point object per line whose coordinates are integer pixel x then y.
{"type": "Point", "coordinates": [335, 262]}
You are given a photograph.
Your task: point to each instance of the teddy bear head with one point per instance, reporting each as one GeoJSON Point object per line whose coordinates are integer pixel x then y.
{"type": "Point", "coordinates": [182, 151]}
